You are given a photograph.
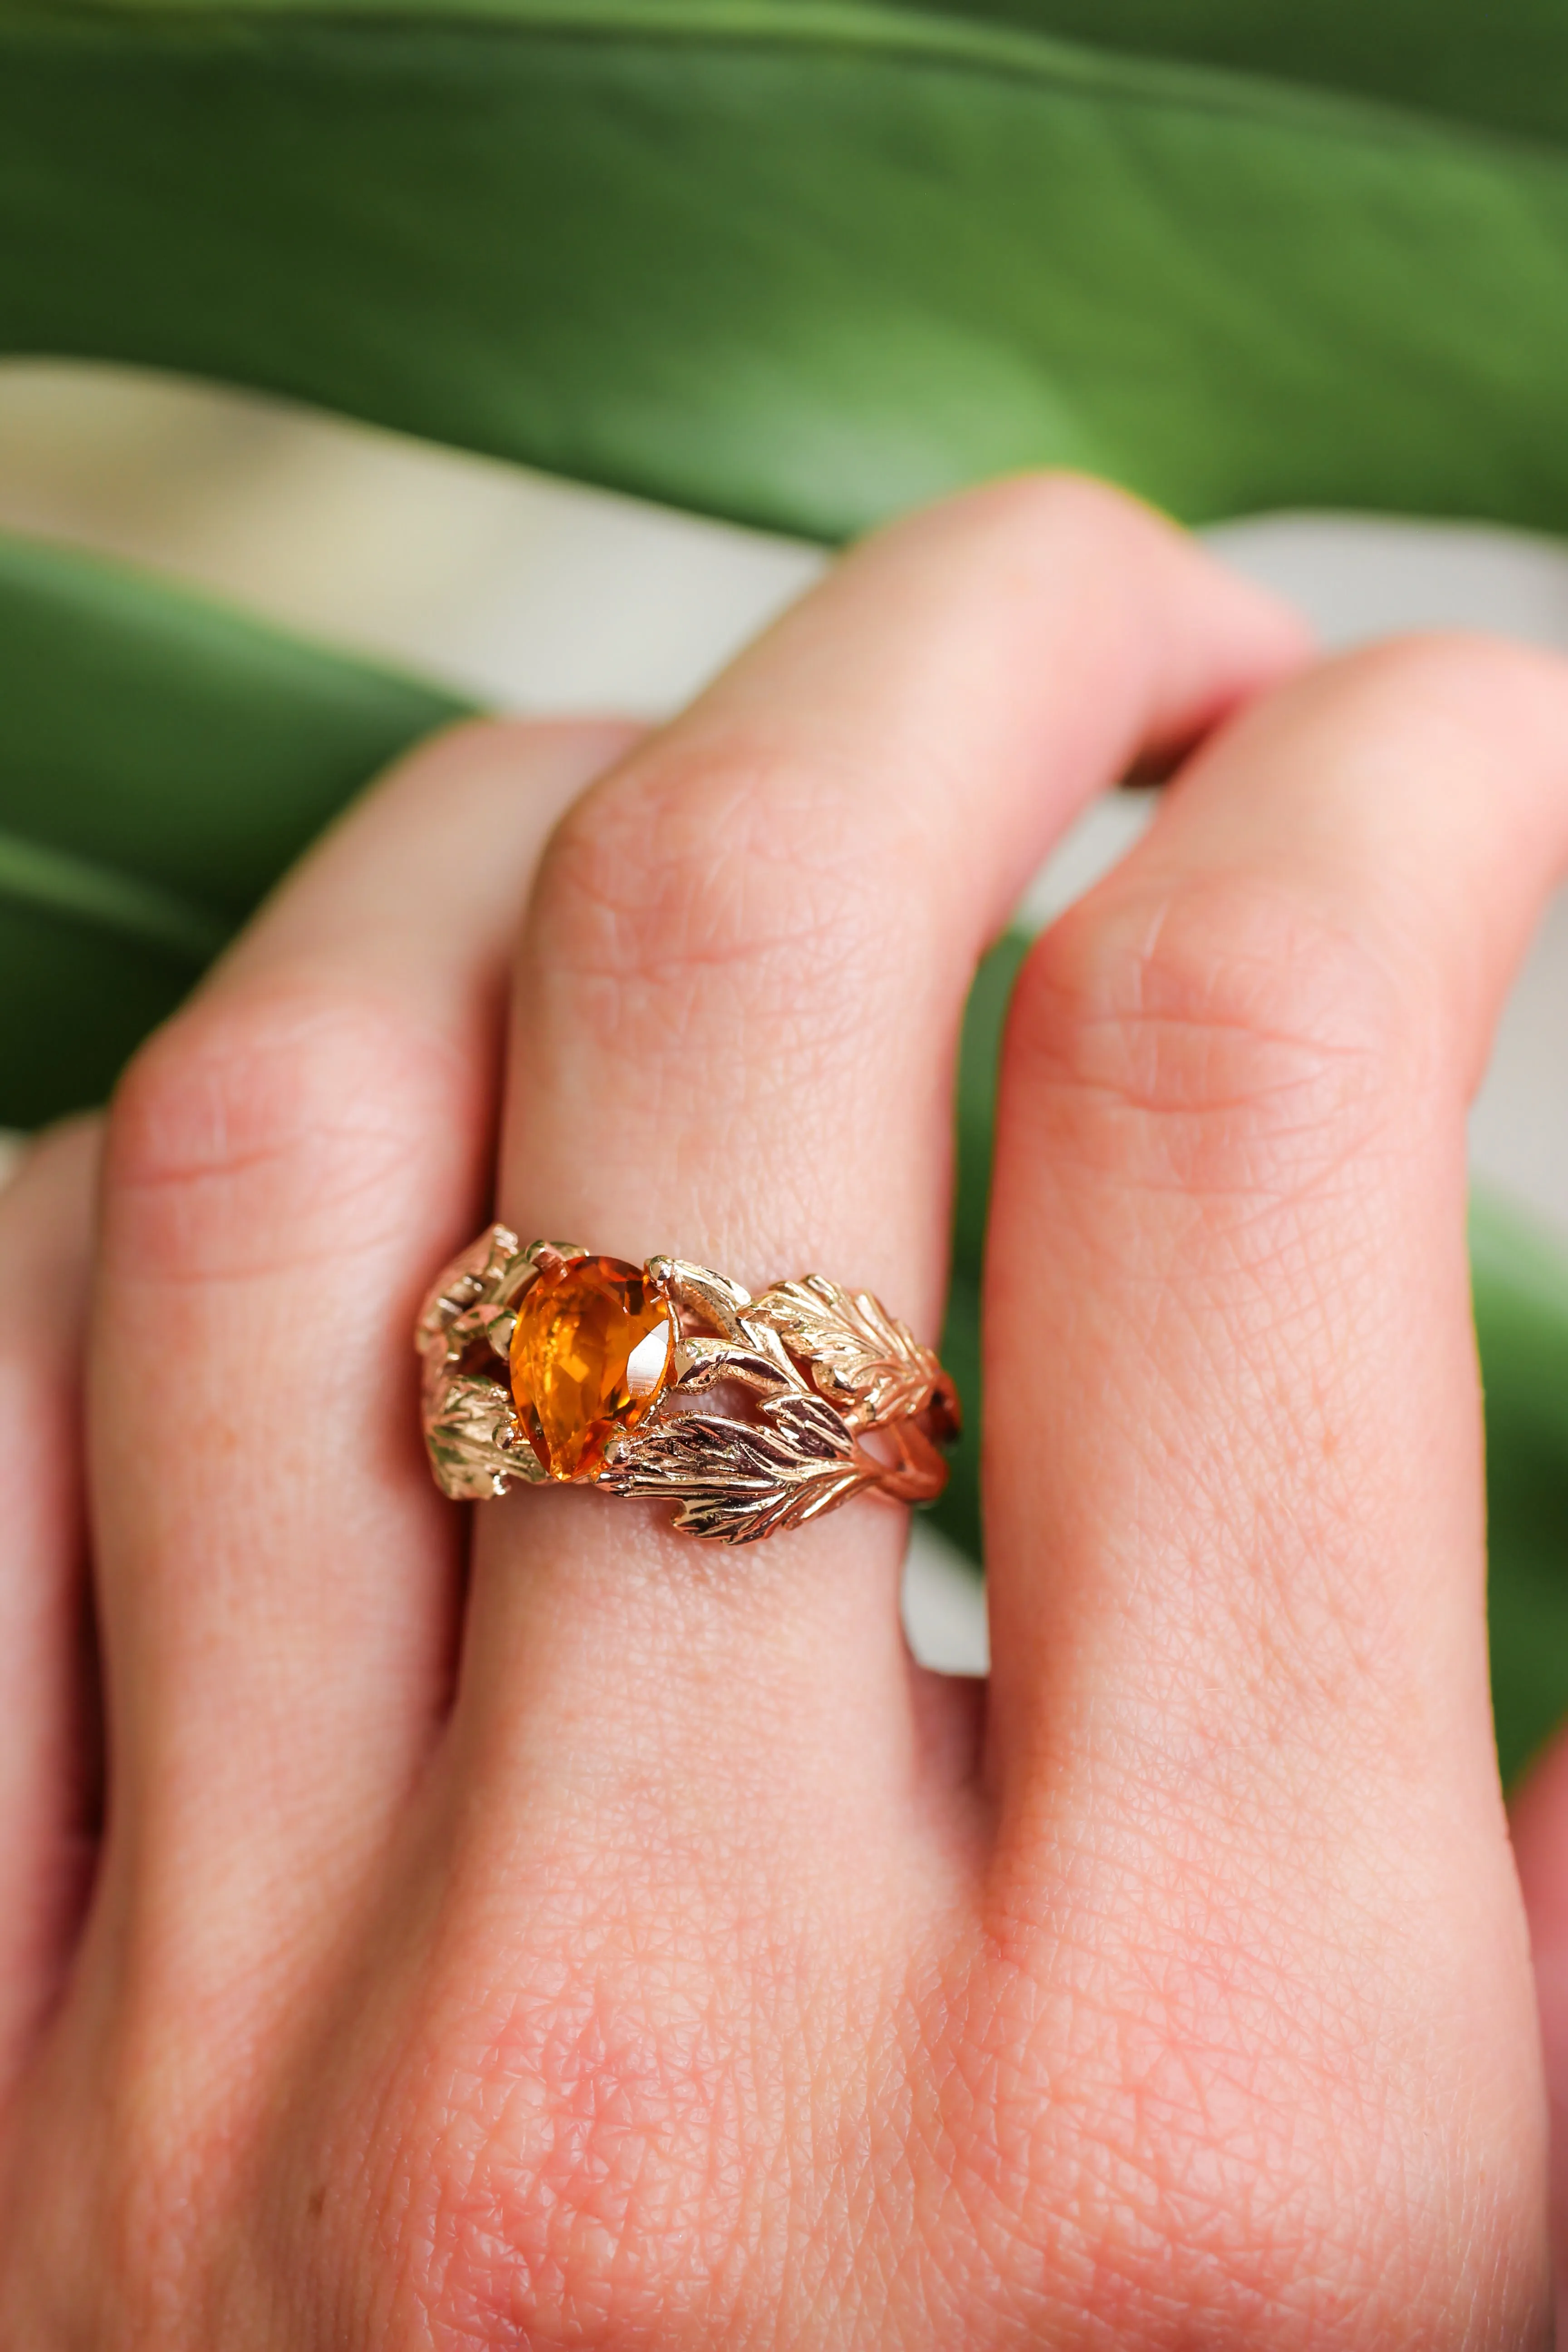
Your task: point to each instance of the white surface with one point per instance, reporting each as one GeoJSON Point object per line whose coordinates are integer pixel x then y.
{"type": "Point", "coordinates": [944, 1607]}
{"type": "Point", "coordinates": [1356, 577]}
{"type": "Point", "coordinates": [535, 595]}
{"type": "Point", "coordinates": [528, 593]}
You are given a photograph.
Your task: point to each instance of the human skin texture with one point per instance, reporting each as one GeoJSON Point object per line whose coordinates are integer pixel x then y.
{"type": "Point", "coordinates": [529, 1927]}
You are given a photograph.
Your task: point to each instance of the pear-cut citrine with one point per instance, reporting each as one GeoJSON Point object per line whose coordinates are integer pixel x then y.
{"type": "Point", "coordinates": [591, 1353]}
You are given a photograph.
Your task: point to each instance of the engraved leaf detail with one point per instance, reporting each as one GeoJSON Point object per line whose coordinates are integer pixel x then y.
{"type": "Point", "coordinates": [711, 1297]}
{"type": "Point", "coordinates": [856, 1347]}
{"type": "Point", "coordinates": [759, 1362]}
{"type": "Point", "coordinates": [475, 1444]}
{"type": "Point", "coordinates": [737, 1482]}
{"type": "Point", "coordinates": [475, 1441]}
{"type": "Point", "coordinates": [470, 1280]}
{"type": "Point", "coordinates": [823, 1363]}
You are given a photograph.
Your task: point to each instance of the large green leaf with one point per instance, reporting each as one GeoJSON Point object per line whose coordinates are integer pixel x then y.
{"type": "Point", "coordinates": [1521, 1278]}
{"type": "Point", "coordinates": [804, 261]}
{"type": "Point", "coordinates": [160, 761]}
{"type": "Point", "coordinates": [1502, 64]}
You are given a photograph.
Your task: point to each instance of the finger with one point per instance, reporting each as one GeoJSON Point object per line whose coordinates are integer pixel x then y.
{"type": "Point", "coordinates": [1539, 1825]}
{"type": "Point", "coordinates": [1235, 1502]}
{"type": "Point", "coordinates": [1233, 1096]}
{"type": "Point", "coordinates": [287, 1160]}
{"type": "Point", "coordinates": [48, 1731]}
{"type": "Point", "coordinates": [737, 1008]}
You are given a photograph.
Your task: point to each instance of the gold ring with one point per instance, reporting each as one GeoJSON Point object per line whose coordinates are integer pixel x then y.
{"type": "Point", "coordinates": [606, 1365]}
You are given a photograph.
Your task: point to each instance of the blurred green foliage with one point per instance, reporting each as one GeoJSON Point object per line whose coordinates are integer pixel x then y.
{"type": "Point", "coordinates": [806, 262]}
{"type": "Point", "coordinates": [162, 761]}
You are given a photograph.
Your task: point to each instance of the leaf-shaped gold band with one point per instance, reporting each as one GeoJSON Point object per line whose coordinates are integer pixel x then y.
{"type": "Point", "coordinates": [841, 1399]}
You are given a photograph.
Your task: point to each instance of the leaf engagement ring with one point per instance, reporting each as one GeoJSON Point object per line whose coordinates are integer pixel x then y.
{"type": "Point", "coordinates": [607, 1365]}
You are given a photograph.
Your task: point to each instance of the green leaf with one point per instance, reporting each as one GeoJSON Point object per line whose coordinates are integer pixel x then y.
{"type": "Point", "coordinates": [162, 761]}
{"type": "Point", "coordinates": [1521, 1278]}
{"type": "Point", "coordinates": [802, 261]}
{"type": "Point", "coordinates": [1497, 64]}
{"type": "Point", "coordinates": [980, 1052]}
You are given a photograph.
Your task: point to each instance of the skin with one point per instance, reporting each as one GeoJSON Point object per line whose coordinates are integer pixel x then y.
{"type": "Point", "coordinates": [531, 1928]}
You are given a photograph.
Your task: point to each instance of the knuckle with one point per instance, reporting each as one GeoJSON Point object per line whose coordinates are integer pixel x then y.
{"type": "Point", "coordinates": [1182, 2140]}
{"type": "Point", "coordinates": [1221, 1034]}
{"type": "Point", "coordinates": [267, 1121]}
{"type": "Point", "coordinates": [724, 886]}
{"type": "Point", "coordinates": [586, 2169]}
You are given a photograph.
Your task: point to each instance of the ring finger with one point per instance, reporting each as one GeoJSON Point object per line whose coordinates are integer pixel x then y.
{"type": "Point", "coordinates": [735, 1018]}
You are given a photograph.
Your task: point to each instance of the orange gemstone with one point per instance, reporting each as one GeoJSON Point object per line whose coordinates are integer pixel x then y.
{"type": "Point", "coordinates": [591, 1353]}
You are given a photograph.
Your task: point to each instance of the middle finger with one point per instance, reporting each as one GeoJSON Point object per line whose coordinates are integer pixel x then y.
{"type": "Point", "coordinates": [736, 1016]}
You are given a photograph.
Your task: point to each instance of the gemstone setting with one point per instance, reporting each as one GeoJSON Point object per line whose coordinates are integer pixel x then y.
{"type": "Point", "coordinates": [591, 1352]}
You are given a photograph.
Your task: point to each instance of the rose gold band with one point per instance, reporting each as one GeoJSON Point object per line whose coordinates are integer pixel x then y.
{"type": "Point", "coordinates": [608, 1363]}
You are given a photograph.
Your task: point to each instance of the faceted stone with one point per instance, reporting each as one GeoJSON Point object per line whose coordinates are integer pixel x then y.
{"type": "Point", "coordinates": [591, 1353]}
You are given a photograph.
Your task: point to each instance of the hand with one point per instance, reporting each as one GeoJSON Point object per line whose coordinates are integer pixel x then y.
{"type": "Point", "coordinates": [613, 1941]}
